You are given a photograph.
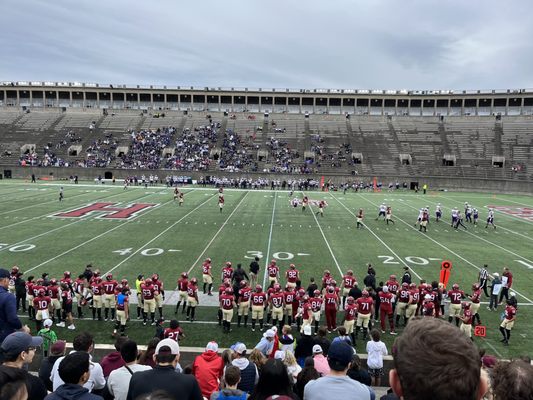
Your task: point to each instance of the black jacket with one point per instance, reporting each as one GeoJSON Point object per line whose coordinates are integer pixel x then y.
{"type": "Point", "coordinates": [178, 386]}
{"type": "Point", "coordinates": [70, 391]}
{"type": "Point", "coordinates": [304, 347]}
{"type": "Point", "coordinates": [46, 369]}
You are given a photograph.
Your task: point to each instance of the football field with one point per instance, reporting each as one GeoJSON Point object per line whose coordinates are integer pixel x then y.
{"type": "Point", "coordinates": [144, 230]}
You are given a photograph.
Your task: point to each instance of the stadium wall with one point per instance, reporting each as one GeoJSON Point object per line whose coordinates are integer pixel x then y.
{"type": "Point", "coordinates": [434, 183]}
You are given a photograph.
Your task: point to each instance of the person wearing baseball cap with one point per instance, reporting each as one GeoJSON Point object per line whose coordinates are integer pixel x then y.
{"type": "Point", "coordinates": [9, 321]}
{"type": "Point", "coordinates": [321, 363]}
{"type": "Point", "coordinates": [337, 384]}
{"type": "Point", "coordinates": [18, 350]}
{"type": "Point", "coordinates": [208, 369]}
{"type": "Point", "coordinates": [249, 372]}
{"type": "Point", "coordinates": [266, 344]}
{"type": "Point", "coordinates": [57, 350]}
{"type": "Point", "coordinates": [164, 377]}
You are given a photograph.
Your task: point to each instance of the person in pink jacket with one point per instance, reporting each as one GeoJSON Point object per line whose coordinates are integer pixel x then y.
{"type": "Point", "coordinates": [208, 369]}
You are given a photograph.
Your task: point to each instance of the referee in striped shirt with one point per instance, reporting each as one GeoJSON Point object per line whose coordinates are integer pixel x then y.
{"type": "Point", "coordinates": [483, 279]}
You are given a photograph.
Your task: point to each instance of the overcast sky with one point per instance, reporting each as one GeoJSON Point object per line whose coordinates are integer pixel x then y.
{"type": "Point", "coordinates": [370, 44]}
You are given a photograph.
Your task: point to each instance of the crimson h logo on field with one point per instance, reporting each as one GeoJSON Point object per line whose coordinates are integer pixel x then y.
{"type": "Point", "coordinates": [107, 210]}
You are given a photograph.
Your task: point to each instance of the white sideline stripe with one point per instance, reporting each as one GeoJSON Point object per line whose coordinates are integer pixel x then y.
{"type": "Point", "coordinates": [48, 214]}
{"type": "Point", "coordinates": [499, 213]}
{"type": "Point", "coordinates": [216, 234]}
{"type": "Point", "coordinates": [102, 234]}
{"type": "Point", "coordinates": [159, 235]}
{"type": "Point", "coordinates": [325, 239]}
{"type": "Point", "coordinates": [269, 241]}
{"type": "Point", "coordinates": [446, 248]}
{"type": "Point", "coordinates": [47, 202]}
{"type": "Point", "coordinates": [488, 241]}
{"type": "Point", "coordinates": [380, 240]}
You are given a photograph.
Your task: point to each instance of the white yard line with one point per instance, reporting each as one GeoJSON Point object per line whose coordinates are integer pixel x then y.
{"type": "Point", "coordinates": [40, 204]}
{"type": "Point", "coordinates": [216, 234]}
{"type": "Point", "coordinates": [267, 257]}
{"type": "Point", "coordinates": [326, 240]}
{"type": "Point", "coordinates": [487, 342]}
{"type": "Point", "coordinates": [99, 236]}
{"type": "Point", "coordinates": [444, 247]}
{"type": "Point", "coordinates": [159, 235]}
{"type": "Point", "coordinates": [379, 239]}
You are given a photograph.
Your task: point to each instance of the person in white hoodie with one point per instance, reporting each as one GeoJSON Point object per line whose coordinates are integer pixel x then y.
{"type": "Point", "coordinates": [249, 373]}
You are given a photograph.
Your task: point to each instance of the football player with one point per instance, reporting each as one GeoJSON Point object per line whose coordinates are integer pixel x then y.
{"type": "Point", "coordinates": [245, 292]}
{"type": "Point", "coordinates": [192, 299]}
{"type": "Point", "coordinates": [350, 312]}
{"type": "Point", "coordinates": [456, 296]}
{"type": "Point", "coordinates": [66, 296]}
{"type": "Point", "coordinates": [466, 319]}
{"type": "Point", "coordinates": [109, 287]}
{"type": "Point", "coordinates": [385, 309]}
{"type": "Point", "coordinates": [183, 283]}
{"type": "Point", "coordinates": [12, 278]}
{"type": "Point", "coordinates": [207, 276]}
{"type": "Point", "coordinates": [331, 301]}
{"type": "Point", "coordinates": [475, 297]}
{"type": "Point", "coordinates": [138, 283]}
{"type": "Point", "coordinates": [80, 287]}
{"type": "Point", "coordinates": [359, 219]}
{"type": "Point", "coordinates": [289, 299]}
{"type": "Point", "coordinates": [259, 300]}
{"type": "Point", "coordinates": [42, 304]}
{"type": "Point", "coordinates": [160, 297]}
{"type": "Point", "coordinates": [273, 272]}
{"type": "Point", "coordinates": [438, 212]}
{"type": "Point", "coordinates": [348, 282]}
{"type": "Point", "coordinates": [321, 206]}
{"type": "Point", "coordinates": [404, 298]}
{"type": "Point", "coordinates": [96, 291]}
{"type": "Point", "coordinates": [148, 293]}
{"type": "Point", "coordinates": [276, 301]}
{"type": "Point", "coordinates": [508, 322]}
{"type": "Point", "coordinates": [29, 297]}
{"type": "Point", "coordinates": [227, 303]}
{"type": "Point", "coordinates": [227, 271]}
{"type": "Point", "coordinates": [221, 202]}
{"type": "Point", "coordinates": [174, 331]}
{"type": "Point", "coordinates": [490, 219]}
{"type": "Point", "coordinates": [365, 308]}
{"type": "Point", "coordinates": [414, 302]}
{"type": "Point", "coordinates": [382, 211]}
{"type": "Point", "coordinates": [316, 306]}
{"type": "Point", "coordinates": [292, 275]}
{"type": "Point", "coordinates": [54, 292]}
{"type": "Point", "coordinates": [388, 215]}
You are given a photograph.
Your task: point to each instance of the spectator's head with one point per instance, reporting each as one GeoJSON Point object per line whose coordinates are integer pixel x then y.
{"type": "Point", "coordinates": [227, 356]}
{"type": "Point", "coordinates": [309, 362]}
{"type": "Point", "coordinates": [269, 335]}
{"type": "Point", "coordinates": [12, 384]}
{"type": "Point", "coordinates": [19, 348]}
{"type": "Point", "coordinates": [167, 352]}
{"type": "Point", "coordinates": [119, 341]}
{"type": "Point", "coordinates": [4, 277]}
{"type": "Point", "coordinates": [174, 324]}
{"type": "Point", "coordinates": [74, 368]}
{"type": "Point", "coordinates": [232, 376]}
{"type": "Point", "coordinates": [341, 331]}
{"type": "Point", "coordinates": [58, 348]}
{"type": "Point", "coordinates": [289, 359]}
{"type": "Point", "coordinates": [129, 351]}
{"type": "Point", "coordinates": [317, 349]}
{"type": "Point", "coordinates": [355, 365]}
{"type": "Point", "coordinates": [512, 380]}
{"type": "Point", "coordinates": [322, 331]}
{"type": "Point", "coordinates": [83, 342]}
{"type": "Point", "coordinates": [375, 335]}
{"type": "Point", "coordinates": [273, 380]}
{"type": "Point", "coordinates": [257, 358]}
{"type": "Point", "coordinates": [340, 356]}
{"type": "Point", "coordinates": [239, 349]}
{"type": "Point", "coordinates": [212, 346]}
{"type": "Point", "coordinates": [429, 354]}
{"type": "Point", "coordinates": [286, 330]}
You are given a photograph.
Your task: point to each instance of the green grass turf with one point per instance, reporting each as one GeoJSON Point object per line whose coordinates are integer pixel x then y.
{"type": "Point", "coordinates": [37, 242]}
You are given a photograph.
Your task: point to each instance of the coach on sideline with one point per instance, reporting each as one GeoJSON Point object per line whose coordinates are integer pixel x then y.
{"type": "Point", "coordinates": [9, 321]}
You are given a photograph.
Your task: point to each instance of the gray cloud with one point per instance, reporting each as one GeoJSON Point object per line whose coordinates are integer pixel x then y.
{"type": "Point", "coordinates": [426, 44]}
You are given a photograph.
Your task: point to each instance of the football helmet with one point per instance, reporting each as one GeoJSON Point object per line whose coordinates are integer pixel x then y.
{"type": "Point", "coordinates": [148, 281]}
{"type": "Point", "coordinates": [277, 287]}
{"type": "Point", "coordinates": [272, 261]}
{"type": "Point", "coordinates": [229, 291]}
{"type": "Point", "coordinates": [316, 293]}
{"type": "Point", "coordinates": [412, 286]}
{"type": "Point", "coordinates": [258, 288]}
{"type": "Point", "coordinates": [109, 276]}
{"type": "Point", "coordinates": [194, 281]}
{"type": "Point", "coordinates": [405, 285]}
{"type": "Point", "coordinates": [53, 282]}
{"type": "Point", "coordinates": [349, 272]}
{"type": "Point", "coordinates": [292, 266]}
{"type": "Point", "coordinates": [42, 292]}
{"type": "Point", "coordinates": [306, 297]}
{"type": "Point", "coordinates": [228, 263]}
{"type": "Point", "coordinates": [66, 274]}
{"type": "Point", "coordinates": [15, 270]}
{"type": "Point", "coordinates": [155, 277]}
{"type": "Point", "coordinates": [124, 282]}
{"type": "Point", "coordinates": [208, 260]}
{"type": "Point", "coordinates": [331, 289]}
{"type": "Point", "coordinates": [475, 286]}
{"type": "Point", "coordinates": [301, 291]}
{"type": "Point", "coordinates": [393, 277]}
{"type": "Point", "coordinates": [365, 293]}
{"type": "Point", "coordinates": [455, 286]}
{"type": "Point", "coordinates": [465, 304]}
{"type": "Point", "coordinates": [350, 300]}
{"type": "Point", "coordinates": [243, 283]}
{"type": "Point", "coordinates": [184, 274]}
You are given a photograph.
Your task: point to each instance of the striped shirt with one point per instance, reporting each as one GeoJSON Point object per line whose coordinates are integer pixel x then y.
{"type": "Point", "coordinates": [483, 274]}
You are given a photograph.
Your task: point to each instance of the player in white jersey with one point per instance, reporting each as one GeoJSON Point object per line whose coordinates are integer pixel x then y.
{"type": "Point", "coordinates": [420, 215]}
{"type": "Point", "coordinates": [468, 213]}
{"type": "Point", "coordinates": [490, 219]}
{"type": "Point", "coordinates": [475, 214]}
{"type": "Point", "coordinates": [295, 202]}
{"type": "Point", "coordinates": [438, 212]}
{"type": "Point", "coordinates": [455, 214]}
{"type": "Point", "coordinates": [382, 211]}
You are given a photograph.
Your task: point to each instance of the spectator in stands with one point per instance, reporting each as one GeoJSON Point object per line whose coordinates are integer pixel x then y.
{"type": "Point", "coordinates": [322, 339]}
{"type": "Point", "coordinates": [208, 369]}
{"type": "Point", "coordinates": [232, 376]}
{"type": "Point", "coordinates": [308, 373]}
{"type": "Point", "coordinates": [249, 375]}
{"type": "Point", "coordinates": [258, 359]}
{"type": "Point", "coordinates": [74, 371]}
{"type": "Point", "coordinates": [266, 344]}
{"type": "Point", "coordinates": [292, 365]}
{"type": "Point", "coordinates": [18, 350]}
{"type": "Point", "coordinates": [83, 342]}
{"type": "Point", "coordinates": [13, 384]}
{"type": "Point", "coordinates": [274, 380]}
{"type": "Point", "coordinates": [113, 360]}
{"type": "Point", "coordinates": [512, 380]}
{"type": "Point", "coordinates": [304, 346]}
{"type": "Point", "coordinates": [357, 372]}
{"type": "Point", "coordinates": [119, 379]}
{"type": "Point", "coordinates": [147, 356]}
{"type": "Point", "coordinates": [321, 363]}
{"type": "Point", "coordinates": [428, 355]}
{"type": "Point", "coordinates": [57, 350]}
{"type": "Point", "coordinates": [337, 385]}
{"type": "Point", "coordinates": [164, 377]}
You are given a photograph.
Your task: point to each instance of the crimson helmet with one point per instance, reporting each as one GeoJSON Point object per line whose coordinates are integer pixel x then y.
{"type": "Point", "coordinates": [393, 277]}
{"type": "Point", "coordinates": [455, 286]}
{"type": "Point", "coordinates": [194, 281]}
{"type": "Point", "coordinates": [349, 272]}
{"type": "Point", "coordinates": [465, 304]}
{"type": "Point", "coordinates": [42, 292]}
{"type": "Point", "coordinates": [124, 282]}
{"type": "Point", "coordinates": [148, 281]}
{"type": "Point", "coordinates": [292, 266]}
{"type": "Point", "coordinates": [208, 260]}
{"type": "Point", "coordinates": [228, 263]}
{"type": "Point", "coordinates": [155, 277]}
{"type": "Point", "coordinates": [350, 300]}
{"type": "Point", "coordinates": [184, 274]}
{"type": "Point", "coordinates": [53, 282]}
{"type": "Point", "coordinates": [243, 283]}
{"type": "Point", "coordinates": [258, 288]}
{"type": "Point", "coordinates": [229, 291]}
{"type": "Point", "coordinates": [15, 270]}
{"type": "Point", "coordinates": [365, 293]}
{"type": "Point", "coordinates": [272, 261]}
{"type": "Point", "coordinates": [39, 281]}
{"type": "Point", "coordinates": [301, 291]}
{"type": "Point", "coordinates": [306, 297]}
{"type": "Point", "coordinates": [331, 289]}
{"type": "Point", "coordinates": [66, 274]}
{"type": "Point", "coordinates": [316, 293]}
{"type": "Point", "coordinates": [227, 282]}
{"type": "Point", "coordinates": [326, 272]}
{"type": "Point", "coordinates": [405, 285]}
{"type": "Point", "coordinates": [333, 282]}
{"type": "Point", "coordinates": [109, 276]}
{"type": "Point", "coordinates": [277, 287]}
{"type": "Point", "coordinates": [98, 279]}
{"type": "Point", "coordinates": [412, 286]}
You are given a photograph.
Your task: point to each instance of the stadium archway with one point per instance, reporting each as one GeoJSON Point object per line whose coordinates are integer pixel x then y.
{"type": "Point", "coordinates": [108, 175]}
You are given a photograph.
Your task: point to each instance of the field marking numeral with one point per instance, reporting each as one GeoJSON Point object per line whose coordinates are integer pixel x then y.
{"type": "Point", "coordinates": [388, 260]}
{"type": "Point", "coordinates": [253, 254]}
{"type": "Point", "coordinates": [283, 255]}
{"type": "Point", "coordinates": [280, 255]}
{"type": "Point", "coordinates": [152, 252]}
{"type": "Point", "coordinates": [415, 260]}
{"type": "Point", "coordinates": [17, 248]}
{"type": "Point", "coordinates": [123, 252]}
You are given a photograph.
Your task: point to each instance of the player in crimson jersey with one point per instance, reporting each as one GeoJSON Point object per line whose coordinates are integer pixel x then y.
{"type": "Point", "coordinates": [245, 292]}
{"type": "Point", "coordinates": [221, 290]}
{"type": "Point", "coordinates": [508, 322]}
{"type": "Point", "coordinates": [466, 318]}
{"type": "Point", "coordinates": [207, 276]}
{"type": "Point", "coordinates": [174, 331]}
{"type": "Point", "coordinates": [365, 309]}
{"type": "Point", "coordinates": [332, 302]}
{"type": "Point", "coordinates": [42, 304]}
{"type": "Point", "coordinates": [321, 206]}
{"type": "Point", "coordinates": [289, 298]}
{"type": "Point", "coordinates": [348, 282]}
{"type": "Point", "coordinates": [192, 299]}
{"type": "Point", "coordinates": [414, 300]}
{"type": "Point", "coordinates": [54, 292]}
{"type": "Point", "coordinates": [326, 280]}
{"type": "Point", "coordinates": [183, 282]}
{"type": "Point", "coordinates": [80, 285]}
{"type": "Point", "coordinates": [67, 279]}
{"type": "Point", "coordinates": [305, 202]}
{"type": "Point", "coordinates": [428, 307]}
{"type": "Point", "coordinates": [259, 301]}
{"type": "Point", "coordinates": [456, 296]}
{"type": "Point", "coordinates": [29, 297]}
{"type": "Point", "coordinates": [276, 300]}
{"type": "Point", "coordinates": [297, 307]}
{"type": "Point", "coordinates": [359, 219]}
{"type": "Point", "coordinates": [404, 296]}
{"type": "Point", "coordinates": [475, 297]}
{"type": "Point", "coordinates": [385, 309]}
{"type": "Point", "coordinates": [227, 303]}
{"type": "Point", "coordinates": [316, 306]}
{"type": "Point", "coordinates": [269, 292]}
{"type": "Point", "coordinates": [292, 275]}
{"type": "Point", "coordinates": [66, 297]}
{"type": "Point", "coordinates": [393, 285]}
{"type": "Point", "coordinates": [109, 286]}
{"type": "Point", "coordinates": [97, 291]}
{"type": "Point", "coordinates": [306, 313]}
{"type": "Point", "coordinates": [220, 202]}
{"type": "Point", "coordinates": [350, 313]}
{"type": "Point", "coordinates": [148, 293]}
{"type": "Point", "coordinates": [12, 279]}
{"type": "Point", "coordinates": [227, 271]}
{"type": "Point", "coordinates": [160, 296]}
{"type": "Point", "coordinates": [273, 272]}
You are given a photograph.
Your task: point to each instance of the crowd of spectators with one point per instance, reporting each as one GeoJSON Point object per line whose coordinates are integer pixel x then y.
{"type": "Point", "coordinates": [101, 153]}
{"type": "Point", "coordinates": [146, 148]}
{"type": "Point", "coordinates": [234, 156]}
{"type": "Point", "coordinates": [283, 156]}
